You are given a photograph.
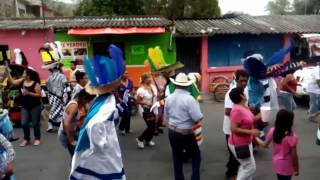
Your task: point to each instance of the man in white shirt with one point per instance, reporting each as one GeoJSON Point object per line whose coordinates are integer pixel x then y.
{"type": "Point", "coordinates": [314, 94]}
{"type": "Point", "coordinates": [241, 81]}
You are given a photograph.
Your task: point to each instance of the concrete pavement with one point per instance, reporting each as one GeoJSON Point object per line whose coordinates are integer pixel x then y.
{"type": "Point", "coordinates": [50, 161]}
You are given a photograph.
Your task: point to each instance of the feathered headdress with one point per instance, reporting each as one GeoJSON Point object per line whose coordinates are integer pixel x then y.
{"type": "Point", "coordinates": [20, 62]}
{"type": "Point", "coordinates": [104, 73]}
{"type": "Point", "coordinates": [5, 55]}
{"type": "Point", "coordinates": [51, 54]}
{"type": "Point", "coordinates": [157, 63]}
{"type": "Point", "coordinates": [274, 67]}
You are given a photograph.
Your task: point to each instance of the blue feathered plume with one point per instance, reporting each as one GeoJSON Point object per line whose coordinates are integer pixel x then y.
{"type": "Point", "coordinates": [117, 57]}
{"type": "Point", "coordinates": [90, 72]}
{"type": "Point", "coordinates": [277, 57]}
{"type": "Point", "coordinates": [102, 70]}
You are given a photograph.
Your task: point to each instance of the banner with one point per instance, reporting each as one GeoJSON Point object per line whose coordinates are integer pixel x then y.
{"type": "Point", "coordinates": [74, 51]}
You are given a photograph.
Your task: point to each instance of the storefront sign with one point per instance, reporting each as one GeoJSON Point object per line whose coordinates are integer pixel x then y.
{"type": "Point", "coordinates": [74, 51]}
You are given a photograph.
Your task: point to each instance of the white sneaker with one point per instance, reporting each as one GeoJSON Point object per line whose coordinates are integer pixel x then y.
{"type": "Point", "coordinates": [151, 143]}
{"type": "Point", "coordinates": [123, 133]}
{"type": "Point", "coordinates": [140, 144]}
{"type": "Point", "coordinates": [50, 127]}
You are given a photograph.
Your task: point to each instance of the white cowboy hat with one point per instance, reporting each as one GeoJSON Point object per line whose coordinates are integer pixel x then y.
{"type": "Point", "coordinates": [181, 80]}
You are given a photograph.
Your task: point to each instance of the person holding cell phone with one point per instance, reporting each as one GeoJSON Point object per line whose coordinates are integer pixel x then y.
{"type": "Point", "coordinates": [31, 104]}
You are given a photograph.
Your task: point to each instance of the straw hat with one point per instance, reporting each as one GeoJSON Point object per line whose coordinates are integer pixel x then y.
{"type": "Point", "coordinates": [104, 74]}
{"type": "Point", "coordinates": [181, 80]}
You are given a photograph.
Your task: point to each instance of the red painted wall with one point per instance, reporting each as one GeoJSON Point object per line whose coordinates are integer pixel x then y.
{"type": "Point", "coordinates": [204, 64]}
{"type": "Point", "coordinates": [29, 42]}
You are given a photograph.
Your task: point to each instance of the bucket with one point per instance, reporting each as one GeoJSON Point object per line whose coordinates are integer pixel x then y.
{"type": "Point", "coordinates": [268, 114]}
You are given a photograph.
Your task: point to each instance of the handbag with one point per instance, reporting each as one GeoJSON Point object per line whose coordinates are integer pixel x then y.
{"type": "Point", "coordinates": [148, 115]}
{"type": "Point", "coordinates": [242, 152]}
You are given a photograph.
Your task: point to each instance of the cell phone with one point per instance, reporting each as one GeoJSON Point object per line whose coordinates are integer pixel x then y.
{"type": "Point", "coordinates": [22, 90]}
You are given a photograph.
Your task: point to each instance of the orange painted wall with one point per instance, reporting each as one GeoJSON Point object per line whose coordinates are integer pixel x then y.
{"type": "Point", "coordinates": [135, 72]}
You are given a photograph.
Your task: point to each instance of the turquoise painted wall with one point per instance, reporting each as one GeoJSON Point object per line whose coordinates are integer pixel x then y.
{"type": "Point", "coordinates": [135, 45]}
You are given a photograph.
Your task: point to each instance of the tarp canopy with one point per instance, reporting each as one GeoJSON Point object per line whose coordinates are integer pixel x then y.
{"type": "Point", "coordinates": [117, 30]}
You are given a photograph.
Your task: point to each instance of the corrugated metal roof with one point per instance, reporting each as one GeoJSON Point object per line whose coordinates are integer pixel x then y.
{"type": "Point", "coordinates": [189, 27]}
{"type": "Point", "coordinates": [249, 25]}
{"type": "Point", "coordinates": [85, 22]}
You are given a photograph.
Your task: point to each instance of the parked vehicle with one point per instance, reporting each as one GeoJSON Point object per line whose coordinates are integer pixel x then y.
{"type": "Point", "coordinates": [303, 77]}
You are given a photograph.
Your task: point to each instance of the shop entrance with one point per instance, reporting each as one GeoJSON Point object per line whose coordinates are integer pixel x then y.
{"type": "Point", "coordinates": [100, 48]}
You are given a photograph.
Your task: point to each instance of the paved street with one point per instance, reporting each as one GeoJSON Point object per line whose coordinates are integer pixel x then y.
{"type": "Point", "coordinates": [50, 161]}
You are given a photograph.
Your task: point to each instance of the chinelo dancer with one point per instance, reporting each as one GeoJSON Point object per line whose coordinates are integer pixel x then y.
{"type": "Point", "coordinates": [97, 154]}
{"type": "Point", "coordinates": [157, 64]}
{"type": "Point", "coordinates": [262, 88]}
{"type": "Point", "coordinates": [56, 84]}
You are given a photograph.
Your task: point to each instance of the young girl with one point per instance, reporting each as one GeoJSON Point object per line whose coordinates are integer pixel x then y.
{"type": "Point", "coordinates": [284, 140]}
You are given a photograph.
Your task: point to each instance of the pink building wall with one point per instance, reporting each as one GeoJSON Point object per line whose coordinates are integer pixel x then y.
{"type": "Point", "coordinates": [29, 41]}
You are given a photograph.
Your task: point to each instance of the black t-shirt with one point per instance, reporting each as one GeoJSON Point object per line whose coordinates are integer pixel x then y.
{"type": "Point", "coordinates": [29, 101]}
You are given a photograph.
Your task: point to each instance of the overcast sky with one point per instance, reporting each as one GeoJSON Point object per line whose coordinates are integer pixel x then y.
{"type": "Point", "coordinates": [252, 7]}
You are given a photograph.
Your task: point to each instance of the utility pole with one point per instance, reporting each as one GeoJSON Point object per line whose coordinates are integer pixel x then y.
{"type": "Point", "coordinates": [44, 22]}
{"type": "Point", "coordinates": [305, 6]}
{"type": "Point", "coordinates": [15, 9]}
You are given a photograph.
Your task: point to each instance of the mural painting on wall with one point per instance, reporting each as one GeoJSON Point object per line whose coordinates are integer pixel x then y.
{"type": "Point", "coordinates": [74, 51]}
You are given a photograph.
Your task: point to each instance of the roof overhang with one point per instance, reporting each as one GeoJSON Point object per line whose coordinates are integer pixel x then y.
{"type": "Point", "coordinates": [117, 30]}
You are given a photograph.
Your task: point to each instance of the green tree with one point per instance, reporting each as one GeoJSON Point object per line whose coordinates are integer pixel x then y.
{"type": "Point", "coordinates": [110, 7]}
{"type": "Point", "coordinates": [204, 8]}
{"type": "Point", "coordinates": [281, 7]}
{"type": "Point", "coordinates": [155, 7]}
{"type": "Point", "coordinates": [169, 8]}
{"type": "Point", "coordinates": [174, 9]}
{"type": "Point", "coordinates": [306, 6]}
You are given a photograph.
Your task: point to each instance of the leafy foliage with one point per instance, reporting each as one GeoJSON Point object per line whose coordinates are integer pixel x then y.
{"type": "Point", "coordinates": [170, 8]}
{"type": "Point", "coordinates": [306, 6]}
{"type": "Point", "coordinates": [110, 7]}
{"type": "Point", "coordinates": [283, 7]}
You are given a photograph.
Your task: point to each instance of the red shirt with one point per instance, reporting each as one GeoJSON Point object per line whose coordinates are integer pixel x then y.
{"type": "Point", "coordinates": [292, 84]}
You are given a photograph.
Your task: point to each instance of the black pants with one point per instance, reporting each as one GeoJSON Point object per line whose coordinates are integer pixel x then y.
{"type": "Point", "coordinates": [71, 149]}
{"type": "Point", "coordinates": [179, 143]}
{"type": "Point", "coordinates": [148, 133]}
{"type": "Point", "coordinates": [281, 177]}
{"type": "Point", "coordinates": [233, 164]}
{"type": "Point", "coordinates": [125, 121]}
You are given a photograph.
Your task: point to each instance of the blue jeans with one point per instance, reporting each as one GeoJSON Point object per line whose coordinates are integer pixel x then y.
{"type": "Point", "coordinates": [179, 143]}
{"type": "Point", "coordinates": [32, 114]}
{"type": "Point", "coordinates": [286, 101]}
{"type": "Point", "coordinates": [314, 103]}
